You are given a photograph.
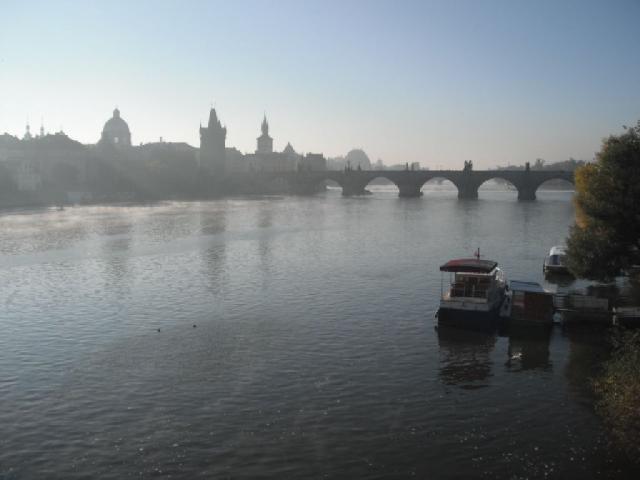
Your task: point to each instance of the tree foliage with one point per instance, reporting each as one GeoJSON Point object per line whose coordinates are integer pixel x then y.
{"type": "Point", "coordinates": [605, 241]}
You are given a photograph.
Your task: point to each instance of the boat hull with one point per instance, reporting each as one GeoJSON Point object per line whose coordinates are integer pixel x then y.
{"type": "Point", "coordinates": [472, 319]}
{"type": "Point", "coordinates": [556, 270]}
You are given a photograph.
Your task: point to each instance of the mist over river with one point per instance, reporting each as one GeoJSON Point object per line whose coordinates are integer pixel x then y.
{"type": "Point", "coordinates": [284, 337]}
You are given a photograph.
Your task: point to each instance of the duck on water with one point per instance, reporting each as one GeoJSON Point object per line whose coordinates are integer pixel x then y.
{"type": "Point", "coordinates": [475, 293]}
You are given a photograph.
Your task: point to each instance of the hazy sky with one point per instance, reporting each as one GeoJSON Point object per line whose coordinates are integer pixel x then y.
{"type": "Point", "coordinates": [435, 82]}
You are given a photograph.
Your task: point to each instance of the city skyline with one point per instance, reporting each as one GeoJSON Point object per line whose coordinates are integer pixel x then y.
{"type": "Point", "coordinates": [494, 82]}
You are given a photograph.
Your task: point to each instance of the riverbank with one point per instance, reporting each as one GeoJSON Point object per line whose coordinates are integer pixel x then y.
{"type": "Point", "coordinates": [618, 391]}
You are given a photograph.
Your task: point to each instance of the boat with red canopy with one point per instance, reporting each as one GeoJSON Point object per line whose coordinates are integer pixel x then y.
{"type": "Point", "coordinates": [475, 292]}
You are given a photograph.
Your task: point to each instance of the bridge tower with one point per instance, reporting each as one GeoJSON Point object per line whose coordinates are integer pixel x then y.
{"type": "Point", "coordinates": [212, 146]}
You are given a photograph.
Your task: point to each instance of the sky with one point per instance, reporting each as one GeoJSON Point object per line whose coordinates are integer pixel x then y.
{"type": "Point", "coordinates": [435, 82]}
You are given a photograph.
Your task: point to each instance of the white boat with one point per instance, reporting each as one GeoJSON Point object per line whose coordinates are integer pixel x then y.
{"type": "Point", "coordinates": [476, 290]}
{"type": "Point", "coordinates": [556, 261]}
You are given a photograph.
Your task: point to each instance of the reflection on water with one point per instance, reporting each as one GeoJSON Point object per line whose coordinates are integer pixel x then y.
{"type": "Point", "coordinates": [213, 251]}
{"type": "Point", "coordinates": [467, 360]}
{"type": "Point", "coordinates": [586, 353]}
{"type": "Point", "coordinates": [313, 352]}
{"type": "Point", "coordinates": [465, 357]}
{"type": "Point", "coordinates": [116, 243]}
{"type": "Point", "coordinates": [529, 348]}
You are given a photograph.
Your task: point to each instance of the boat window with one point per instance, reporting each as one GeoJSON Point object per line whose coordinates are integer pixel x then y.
{"type": "Point", "coordinates": [556, 260]}
{"type": "Point", "coordinates": [470, 286]}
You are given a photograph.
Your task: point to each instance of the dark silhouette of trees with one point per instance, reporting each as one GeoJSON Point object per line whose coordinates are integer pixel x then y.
{"type": "Point", "coordinates": [605, 242]}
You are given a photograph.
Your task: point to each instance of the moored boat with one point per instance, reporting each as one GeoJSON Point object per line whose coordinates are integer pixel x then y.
{"type": "Point", "coordinates": [527, 303]}
{"type": "Point", "coordinates": [556, 261]}
{"type": "Point", "coordinates": [475, 293]}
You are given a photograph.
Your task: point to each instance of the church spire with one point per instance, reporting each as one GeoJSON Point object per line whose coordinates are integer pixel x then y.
{"type": "Point", "coordinates": [213, 118]}
{"type": "Point", "coordinates": [265, 125]}
{"type": "Point", "coordinates": [27, 133]}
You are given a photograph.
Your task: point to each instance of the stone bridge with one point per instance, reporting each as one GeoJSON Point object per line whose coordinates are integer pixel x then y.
{"type": "Point", "coordinates": [410, 182]}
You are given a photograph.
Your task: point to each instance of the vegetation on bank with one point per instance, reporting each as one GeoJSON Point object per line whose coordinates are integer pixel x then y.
{"type": "Point", "coordinates": [605, 242]}
{"type": "Point", "coordinates": [618, 389]}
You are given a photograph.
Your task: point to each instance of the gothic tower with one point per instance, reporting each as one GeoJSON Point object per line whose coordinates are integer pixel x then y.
{"type": "Point", "coordinates": [265, 142]}
{"type": "Point", "coordinates": [212, 145]}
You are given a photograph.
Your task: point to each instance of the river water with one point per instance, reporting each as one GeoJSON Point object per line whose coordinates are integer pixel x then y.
{"type": "Point", "coordinates": [284, 337]}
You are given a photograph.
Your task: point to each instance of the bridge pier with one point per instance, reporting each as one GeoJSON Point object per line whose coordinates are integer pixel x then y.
{"type": "Point", "coordinates": [468, 192]}
{"type": "Point", "coordinates": [354, 183]}
{"type": "Point", "coordinates": [526, 194]}
{"type": "Point", "coordinates": [409, 190]}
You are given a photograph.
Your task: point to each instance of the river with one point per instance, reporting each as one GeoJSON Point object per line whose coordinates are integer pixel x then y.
{"type": "Point", "coordinates": [284, 337]}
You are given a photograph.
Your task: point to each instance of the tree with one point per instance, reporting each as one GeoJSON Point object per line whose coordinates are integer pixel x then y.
{"type": "Point", "coordinates": [605, 241]}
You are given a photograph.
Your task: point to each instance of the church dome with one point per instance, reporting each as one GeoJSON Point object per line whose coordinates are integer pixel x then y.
{"type": "Point", "coordinates": [289, 149]}
{"type": "Point", "coordinates": [357, 157]}
{"type": "Point", "coordinates": [116, 131]}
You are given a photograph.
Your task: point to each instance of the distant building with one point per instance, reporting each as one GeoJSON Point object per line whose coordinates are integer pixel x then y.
{"type": "Point", "coordinates": [165, 150]}
{"type": "Point", "coordinates": [115, 132]}
{"type": "Point", "coordinates": [265, 142]}
{"type": "Point", "coordinates": [313, 162]}
{"type": "Point", "coordinates": [54, 164]}
{"type": "Point", "coordinates": [27, 133]}
{"type": "Point", "coordinates": [357, 158]}
{"type": "Point", "coordinates": [236, 161]}
{"type": "Point", "coordinates": [219, 160]}
{"type": "Point", "coordinates": [212, 146]}
{"type": "Point", "coordinates": [54, 160]}
{"type": "Point", "coordinates": [354, 159]}
{"type": "Point", "coordinates": [266, 160]}
{"type": "Point", "coordinates": [27, 176]}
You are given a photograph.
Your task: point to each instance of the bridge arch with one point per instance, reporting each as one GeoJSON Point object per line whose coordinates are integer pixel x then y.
{"type": "Point", "coordinates": [442, 180]}
{"type": "Point", "coordinates": [558, 180]}
{"type": "Point", "coordinates": [331, 182]}
{"type": "Point", "coordinates": [328, 177]}
{"type": "Point", "coordinates": [371, 182]}
{"type": "Point", "coordinates": [499, 180]}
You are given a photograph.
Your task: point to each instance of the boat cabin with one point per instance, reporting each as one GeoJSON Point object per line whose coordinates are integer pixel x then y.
{"type": "Point", "coordinates": [474, 295]}
{"type": "Point", "coordinates": [472, 278]}
{"type": "Point", "coordinates": [556, 261]}
{"type": "Point", "coordinates": [530, 303]}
